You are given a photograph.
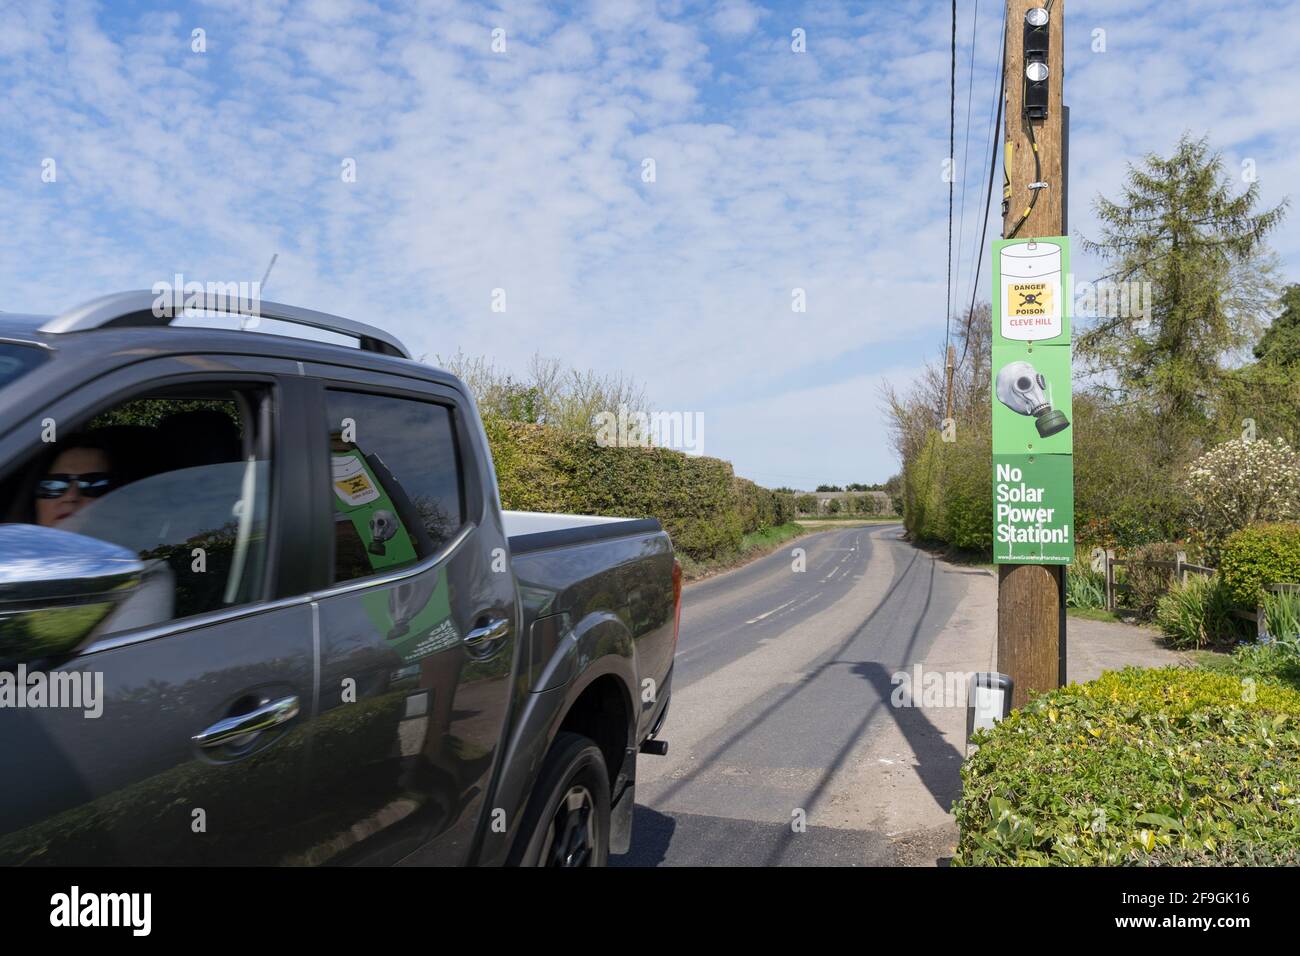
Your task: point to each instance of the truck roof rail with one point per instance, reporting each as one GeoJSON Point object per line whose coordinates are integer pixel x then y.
{"type": "Point", "coordinates": [145, 308]}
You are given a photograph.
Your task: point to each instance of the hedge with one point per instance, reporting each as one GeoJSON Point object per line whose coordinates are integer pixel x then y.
{"type": "Point", "coordinates": [1257, 555]}
{"type": "Point", "coordinates": [948, 491]}
{"type": "Point", "coordinates": [698, 500]}
{"type": "Point", "coordinates": [922, 499]}
{"type": "Point", "coordinates": [761, 508]}
{"type": "Point", "coordinates": [1188, 765]}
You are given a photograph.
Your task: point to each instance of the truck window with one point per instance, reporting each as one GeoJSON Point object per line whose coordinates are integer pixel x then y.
{"type": "Point", "coordinates": [182, 480]}
{"type": "Point", "coordinates": [394, 481]}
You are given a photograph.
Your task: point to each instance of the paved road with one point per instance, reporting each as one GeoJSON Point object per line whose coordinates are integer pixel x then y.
{"type": "Point", "coordinates": [784, 748]}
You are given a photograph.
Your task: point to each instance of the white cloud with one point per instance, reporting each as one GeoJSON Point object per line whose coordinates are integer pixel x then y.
{"type": "Point", "coordinates": [522, 171]}
{"type": "Point", "coordinates": [735, 18]}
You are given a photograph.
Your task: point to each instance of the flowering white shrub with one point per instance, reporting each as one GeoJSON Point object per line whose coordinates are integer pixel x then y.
{"type": "Point", "coordinates": [1241, 482]}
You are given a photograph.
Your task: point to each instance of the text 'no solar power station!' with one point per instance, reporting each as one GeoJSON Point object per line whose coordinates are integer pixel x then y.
{"type": "Point", "coordinates": [1033, 445]}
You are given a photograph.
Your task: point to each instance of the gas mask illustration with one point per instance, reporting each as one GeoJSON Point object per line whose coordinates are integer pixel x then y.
{"type": "Point", "coordinates": [1021, 388]}
{"type": "Point", "coordinates": [383, 527]}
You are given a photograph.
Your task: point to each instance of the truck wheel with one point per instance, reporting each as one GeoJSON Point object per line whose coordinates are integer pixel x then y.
{"type": "Point", "coordinates": [567, 821]}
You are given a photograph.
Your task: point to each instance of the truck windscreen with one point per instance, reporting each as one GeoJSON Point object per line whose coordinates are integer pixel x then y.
{"type": "Point", "coordinates": [15, 360]}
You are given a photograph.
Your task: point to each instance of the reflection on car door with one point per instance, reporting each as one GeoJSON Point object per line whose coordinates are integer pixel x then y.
{"type": "Point", "coordinates": [131, 786]}
{"type": "Point", "coordinates": [410, 715]}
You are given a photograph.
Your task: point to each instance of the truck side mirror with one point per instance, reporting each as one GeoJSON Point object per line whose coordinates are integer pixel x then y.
{"type": "Point", "coordinates": [55, 589]}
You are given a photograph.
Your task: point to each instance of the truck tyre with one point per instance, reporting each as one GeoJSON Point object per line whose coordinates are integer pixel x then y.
{"type": "Point", "coordinates": [567, 820]}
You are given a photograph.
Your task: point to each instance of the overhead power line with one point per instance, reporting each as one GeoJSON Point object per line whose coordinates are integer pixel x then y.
{"type": "Point", "coordinates": [970, 89]}
{"type": "Point", "coordinates": [988, 196]}
{"type": "Point", "coordinates": [952, 149]}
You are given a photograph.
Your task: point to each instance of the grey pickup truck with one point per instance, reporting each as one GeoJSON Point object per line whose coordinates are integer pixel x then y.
{"type": "Point", "coordinates": [259, 604]}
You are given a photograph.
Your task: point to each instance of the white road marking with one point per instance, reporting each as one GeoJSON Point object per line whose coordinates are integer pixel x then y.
{"type": "Point", "coordinates": [769, 613]}
{"type": "Point", "coordinates": [807, 600]}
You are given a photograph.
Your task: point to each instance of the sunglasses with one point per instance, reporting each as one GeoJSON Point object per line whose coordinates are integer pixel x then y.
{"type": "Point", "coordinates": [91, 485]}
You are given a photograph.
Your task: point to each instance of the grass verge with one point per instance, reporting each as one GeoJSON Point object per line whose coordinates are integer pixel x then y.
{"type": "Point", "coordinates": [1095, 614]}
{"type": "Point", "coordinates": [849, 519]}
{"type": "Point", "coordinates": [753, 545]}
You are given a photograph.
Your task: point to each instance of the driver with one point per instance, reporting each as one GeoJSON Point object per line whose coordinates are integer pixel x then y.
{"type": "Point", "coordinates": [79, 473]}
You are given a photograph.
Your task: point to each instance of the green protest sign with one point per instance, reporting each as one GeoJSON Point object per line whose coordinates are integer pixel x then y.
{"type": "Point", "coordinates": [1031, 302]}
{"type": "Point", "coordinates": [1033, 431]}
{"type": "Point", "coordinates": [1033, 509]}
{"type": "Point", "coordinates": [359, 495]}
{"type": "Point", "coordinates": [1032, 413]}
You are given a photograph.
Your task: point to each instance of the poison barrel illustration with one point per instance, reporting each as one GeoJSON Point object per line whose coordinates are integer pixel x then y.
{"type": "Point", "coordinates": [1031, 291]}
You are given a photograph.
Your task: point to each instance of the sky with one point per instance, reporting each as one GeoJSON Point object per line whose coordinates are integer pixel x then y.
{"type": "Point", "coordinates": [523, 168]}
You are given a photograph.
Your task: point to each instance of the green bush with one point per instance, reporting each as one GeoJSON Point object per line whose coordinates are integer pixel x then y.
{"type": "Point", "coordinates": [1277, 661]}
{"type": "Point", "coordinates": [698, 500]}
{"type": "Point", "coordinates": [1135, 763]}
{"type": "Point", "coordinates": [894, 489]}
{"type": "Point", "coordinates": [948, 491]}
{"type": "Point", "coordinates": [1125, 493]}
{"type": "Point", "coordinates": [1238, 853]}
{"type": "Point", "coordinates": [1257, 555]}
{"type": "Point", "coordinates": [1084, 587]}
{"type": "Point", "coordinates": [1197, 613]}
{"type": "Point", "coordinates": [757, 506]}
{"type": "Point", "coordinates": [922, 491]}
{"type": "Point", "coordinates": [966, 520]}
{"type": "Point", "coordinates": [1130, 524]}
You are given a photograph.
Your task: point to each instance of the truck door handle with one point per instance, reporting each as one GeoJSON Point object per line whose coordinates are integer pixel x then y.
{"type": "Point", "coordinates": [489, 633]}
{"type": "Point", "coordinates": [268, 715]}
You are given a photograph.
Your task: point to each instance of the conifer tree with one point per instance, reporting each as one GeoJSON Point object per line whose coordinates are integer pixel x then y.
{"type": "Point", "coordinates": [1182, 225]}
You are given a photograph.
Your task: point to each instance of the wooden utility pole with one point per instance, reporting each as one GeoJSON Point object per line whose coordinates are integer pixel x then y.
{"type": "Point", "coordinates": [1031, 597]}
{"type": "Point", "coordinates": [1048, 216]}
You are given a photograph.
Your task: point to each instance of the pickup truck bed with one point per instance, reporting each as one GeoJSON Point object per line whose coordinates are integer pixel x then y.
{"type": "Point", "coordinates": [598, 600]}
{"type": "Point", "coordinates": [572, 564]}
{"type": "Point", "coordinates": [538, 530]}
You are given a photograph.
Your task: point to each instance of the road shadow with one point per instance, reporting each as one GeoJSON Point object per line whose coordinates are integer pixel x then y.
{"type": "Point", "coordinates": [938, 763]}
{"type": "Point", "coordinates": [652, 833]}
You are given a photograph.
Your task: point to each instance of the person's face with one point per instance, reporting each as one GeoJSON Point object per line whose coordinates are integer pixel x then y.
{"type": "Point", "coordinates": [74, 461]}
